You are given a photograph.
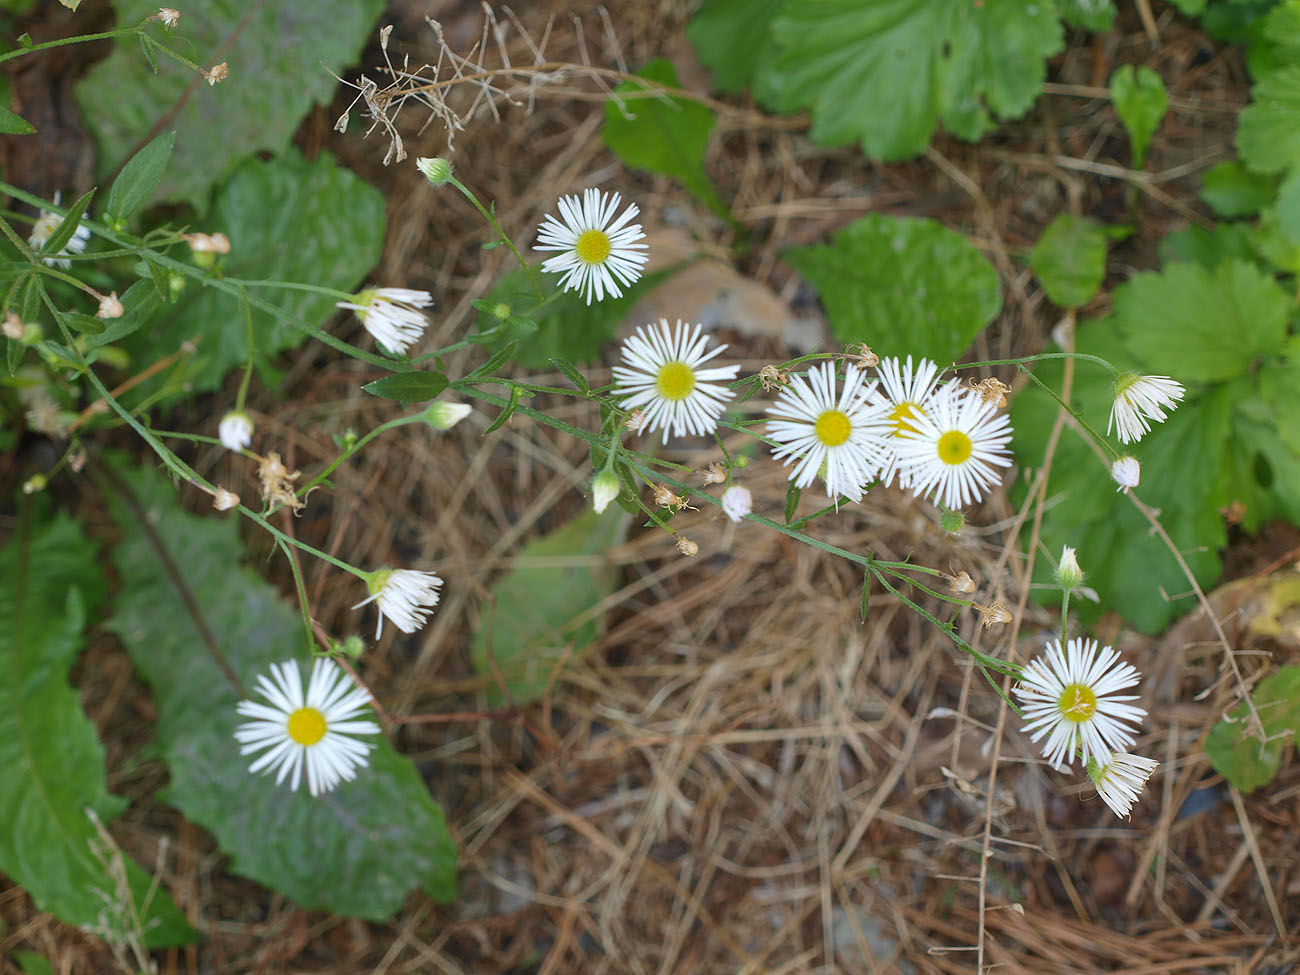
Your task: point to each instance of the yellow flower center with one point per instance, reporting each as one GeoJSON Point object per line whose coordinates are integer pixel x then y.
{"type": "Point", "coordinates": [1078, 703]}
{"type": "Point", "coordinates": [833, 428]}
{"type": "Point", "coordinates": [954, 447]}
{"type": "Point", "coordinates": [592, 247]}
{"type": "Point", "coordinates": [901, 414]}
{"type": "Point", "coordinates": [676, 380]}
{"type": "Point", "coordinates": [306, 726]}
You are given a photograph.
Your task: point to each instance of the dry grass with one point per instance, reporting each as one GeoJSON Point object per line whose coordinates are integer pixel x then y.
{"type": "Point", "coordinates": [743, 776]}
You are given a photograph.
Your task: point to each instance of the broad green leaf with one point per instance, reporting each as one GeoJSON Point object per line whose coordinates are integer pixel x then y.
{"type": "Point", "coordinates": [1095, 15]}
{"type": "Point", "coordinates": [81, 322]}
{"type": "Point", "coordinates": [1177, 319]}
{"type": "Point", "coordinates": [1244, 760]}
{"type": "Point", "coordinates": [542, 612]}
{"type": "Point", "coordinates": [11, 124]}
{"type": "Point", "coordinates": [280, 55]}
{"type": "Point", "coordinates": [33, 963]}
{"type": "Point", "coordinates": [1285, 211]}
{"type": "Point", "coordinates": [409, 387]}
{"type": "Point", "coordinates": [733, 38]}
{"type": "Point", "coordinates": [1192, 8]}
{"type": "Point", "coordinates": [1268, 138]}
{"type": "Point", "coordinates": [290, 219]}
{"type": "Point", "coordinates": [1070, 259]}
{"type": "Point", "coordinates": [68, 225]}
{"type": "Point", "coordinates": [903, 286]}
{"type": "Point", "coordinates": [51, 761]}
{"type": "Point", "coordinates": [662, 134]}
{"type": "Point", "coordinates": [1140, 102]}
{"type": "Point", "coordinates": [1232, 190]}
{"type": "Point", "coordinates": [139, 176]}
{"type": "Point", "coordinates": [357, 851]}
{"type": "Point", "coordinates": [887, 72]}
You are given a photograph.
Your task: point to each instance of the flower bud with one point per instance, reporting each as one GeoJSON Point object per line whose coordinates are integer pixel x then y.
{"type": "Point", "coordinates": [110, 307]}
{"type": "Point", "coordinates": [1068, 573]}
{"type": "Point", "coordinates": [1127, 472]}
{"type": "Point", "coordinates": [443, 415]}
{"type": "Point", "coordinates": [436, 170]}
{"type": "Point", "coordinates": [224, 500]}
{"type": "Point", "coordinates": [604, 489]}
{"type": "Point", "coordinates": [952, 522]}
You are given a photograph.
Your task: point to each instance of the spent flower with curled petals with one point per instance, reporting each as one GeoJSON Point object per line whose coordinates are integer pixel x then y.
{"type": "Point", "coordinates": [686, 546]}
{"type": "Point", "coordinates": [1126, 472]}
{"type": "Point", "coordinates": [665, 498]}
{"type": "Point", "coordinates": [737, 502]}
{"type": "Point", "coordinates": [216, 74]}
{"type": "Point", "coordinates": [110, 306]}
{"type": "Point", "coordinates": [862, 355]}
{"type": "Point", "coordinates": [1120, 780]}
{"type": "Point", "coordinates": [1139, 399]}
{"type": "Point", "coordinates": [1069, 696]}
{"type": "Point", "coordinates": [772, 378]}
{"type": "Point", "coordinates": [991, 391]}
{"type": "Point", "coordinates": [597, 252]}
{"type": "Point", "coordinates": [235, 430]}
{"type": "Point", "coordinates": [636, 421]}
{"type": "Point", "coordinates": [406, 596]}
{"type": "Point", "coordinates": [391, 315]}
{"type": "Point", "coordinates": [277, 482]}
{"type": "Point", "coordinates": [224, 500]}
{"type": "Point", "coordinates": [312, 731]}
{"type": "Point", "coordinates": [996, 613]}
{"type": "Point", "coordinates": [169, 16]}
{"type": "Point", "coordinates": [961, 582]}
{"type": "Point", "coordinates": [715, 473]}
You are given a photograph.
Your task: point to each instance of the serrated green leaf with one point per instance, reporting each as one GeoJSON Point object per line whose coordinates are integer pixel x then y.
{"type": "Point", "coordinates": [733, 38]}
{"type": "Point", "coordinates": [1096, 15]}
{"type": "Point", "coordinates": [68, 225]}
{"type": "Point", "coordinates": [540, 613]}
{"type": "Point", "coordinates": [282, 61]}
{"type": "Point", "coordinates": [662, 134]}
{"type": "Point", "coordinates": [358, 851]}
{"type": "Point", "coordinates": [1244, 760]}
{"type": "Point", "coordinates": [11, 124]}
{"type": "Point", "coordinates": [1232, 190]}
{"type": "Point", "coordinates": [1178, 318]}
{"type": "Point", "coordinates": [136, 183]}
{"type": "Point", "coordinates": [1268, 140]}
{"type": "Point", "coordinates": [1140, 102]}
{"type": "Point", "coordinates": [50, 758]}
{"type": "Point", "coordinates": [886, 72]}
{"type": "Point", "coordinates": [1070, 259]}
{"type": "Point", "coordinates": [903, 286]}
{"type": "Point", "coordinates": [408, 387]}
{"type": "Point", "coordinates": [289, 219]}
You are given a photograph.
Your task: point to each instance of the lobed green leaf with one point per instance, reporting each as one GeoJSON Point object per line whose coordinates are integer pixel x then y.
{"type": "Point", "coordinates": [1245, 760]}
{"type": "Point", "coordinates": [1140, 102]}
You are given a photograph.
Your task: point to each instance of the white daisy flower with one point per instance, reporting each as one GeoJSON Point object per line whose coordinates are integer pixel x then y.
{"type": "Point", "coordinates": [1126, 472]}
{"type": "Point", "coordinates": [1070, 697]}
{"type": "Point", "coordinates": [662, 377]}
{"type": "Point", "coordinates": [841, 439]}
{"type": "Point", "coordinates": [1139, 399]}
{"type": "Point", "coordinates": [392, 315]}
{"type": "Point", "coordinates": [405, 596]}
{"type": "Point", "coordinates": [597, 252]}
{"type": "Point", "coordinates": [46, 224]}
{"type": "Point", "coordinates": [954, 448]}
{"type": "Point", "coordinates": [314, 729]}
{"type": "Point", "coordinates": [235, 430]}
{"type": "Point", "coordinates": [1119, 781]}
{"type": "Point", "coordinates": [737, 502]}
{"type": "Point", "coordinates": [908, 391]}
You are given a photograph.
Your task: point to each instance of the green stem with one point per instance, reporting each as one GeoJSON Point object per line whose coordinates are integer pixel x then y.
{"type": "Point", "coordinates": [382, 428]}
{"type": "Point", "coordinates": [65, 41]}
{"type": "Point", "coordinates": [1101, 441]}
{"type": "Point", "coordinates": [301, 588]}
{"type": "Point", "coordinates": [505, 238]}
{"type": "Point", "coordinates": [1036, 358]}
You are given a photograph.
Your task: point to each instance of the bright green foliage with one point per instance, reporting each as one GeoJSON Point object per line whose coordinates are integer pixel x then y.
{"type": "Point", "coordinates": [415, 386]}
{"type": "Point", "coordinates": [11, 124]}
{"type": "Point", "coordinates": [139, 177]}
{"type": "Point", "coordinates": [887, 72]}
{"type": "Point", "coordinates": [1210, 247]}
{"type": "Point", "coordinates": [1284, 214]}
{"type": "Point", "coordinates": [1243, 759]}
{"type": "Point", "coordinates": [287, 220]}
{"type": "Point", "coordinates": [1232, 190]}
{"type": "Point", "coordinates": [1229, 440]}
{"type": "Point", "coordinates": [1070, 258]}
{"type": "Point", "coordinates": [660, 133]}
{"type": "Point", "coordinates": [33, 963]}
{"type": "Point", "coordinates": [903, 286]}
{"type": "Point", "coordinates": [1141, 103]}
{"type": "Point", "coordinates": [280, 61]}
{"type": "Point", "coordinates": [542, 615]}
{"type": "Point", "coordinates": [1090, 14]}
{"type": "Point", "coordinates": [733, 38]}
{"type": "Point", "coordinates": [1192, 8]}
{"type": "Point", "coordinates": [357, 851]}
{"type": "Point", "coordinates": [1268, 138]}
{"type": "Point", "coordinates": [51, 761]}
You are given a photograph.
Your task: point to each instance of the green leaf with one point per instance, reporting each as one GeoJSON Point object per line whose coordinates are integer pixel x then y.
{"type": "Point", "coordinates": [68, 225]}
{"type": "Point", "coordinates": [1177, 319]}
{"type": "Point", "coordinates": [408, 387]}
{"type": "Point", "coordinates": [1095, 15]}
{"type": "Point", "coordinates": [1140, 102]}
{"type": "Point", "coordinates": [50, 758]}
{"type": "Point", "coordinates": [287, 220]}
{"type": "Point", "coordinates": [81, 322]}
{"type": "Point", "coordinates": [571, 373]}
{"type": "Point", "coordinates": [1192, 8]}
{"type": "Point", "coordinates": [1232, 190]}
{"type": "Point", "coordinates": [540, 613]}
{"type": "Point", "coordinates": [282, 61]}
{"type": "Point", "coordinates": [1285, 211]}
{"type": "Point", "coordinates": [1268, 139]}
{"type": "Point", "coordinates": [139, 176]}
{"type": "Point", "coordinates": [903, 286]}
{"type": "Point", "coordinates": [1070, 259]}
{"type": "Point", "coordinates": [1244, 760]}
{"type": "Point", "coordinates": [139, 302]}
{"type": "Point", "coordinates": [33, 963]}
{"type": "Point", "coordinates": [661, 133]}
{"type": "Point", "coordinates": [733, 38]}
{"type": "Point", "coordinates": [358, 851]}
{"type": "Point", "coordinates": [71, 4]}
{"type": "Point", "coordinates": [886, 72]}
{"type": "Point", "coordinates": [11, 124]}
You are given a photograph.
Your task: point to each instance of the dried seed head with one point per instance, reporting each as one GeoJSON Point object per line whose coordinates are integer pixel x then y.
{"type": "Point", "coordinates": [686, 546]}
{"type": "Point", "coordinates": [277, 482]}
{"type": "Point", "coordinates": [217, 73]}
{"type": "Point", "coordinates": [997, 613]}
{"type": "Point", "coordinates": [771, 378]}
{"type": "Point", "coordinates": [992, 391]}
{"type": "Point", "coordinates": [665, 498]}
{"type": "Point", "coordinates": [224, 500]}
{"type": "Point", "coordinates": [862, 354]}
{"type": "Point", "coordinates": [715, 473]}
{"type": "Point", "coordinates": [961, 582]}
{"type": "Point", "coordinates": [110, 306]}
{"type": "Point", "coordinates": [169, 16]}
{"type": "Point", "coordinates": [635, 421]}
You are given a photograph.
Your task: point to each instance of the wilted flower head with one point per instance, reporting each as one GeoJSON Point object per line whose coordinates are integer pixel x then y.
{"type": "Point", "coordinates": [1119, 780]}
{"type": "Point", "coordinates": [217, 243]}
{"type": "Point", "coordinates": [961, 582]}
{"type": "Point", "coordinates": [665, 498]}
{"type": "Point", "coordinates": [737, 502]}
{"type": "Point", "coordinates": [996, 613]}
{"type": "Point", "coordinates": [1139, 399]}
{"type": "Point", "coordinates": [392, 315]}
{"type": "Point", "coordinates": [110, 306]}
{"type": "Point", "coordinates": [686, 546]}
{"type": "Point", "coordinates": [224, 500]}
{"type": "Point", "coordinates": [405, 596]}
{"type": "Point", "coordinates": [771, 377]}
{"type": "Point", "coordinates": [1126, 472]}
{"type": "Point", "coordinates": [169, 16]}
{"type": "Point", "coordinates": [715, 473]}
{"type": "Point", "coordinates": [277, 482]}
{"type": "Point", "coordinates": [217, 73]}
